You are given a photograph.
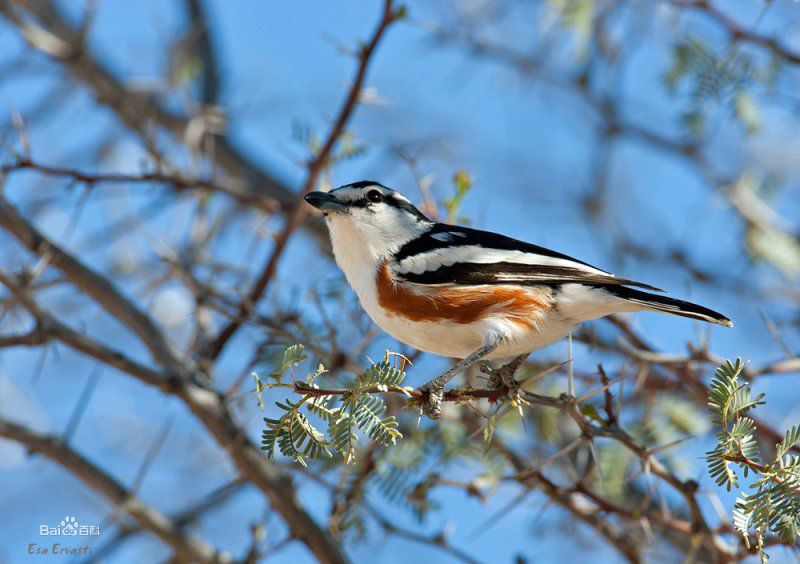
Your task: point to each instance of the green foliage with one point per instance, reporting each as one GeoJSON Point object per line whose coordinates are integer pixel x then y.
{"type": "Point", "coordinates": [349, 148]}
{"type": "Point", "coordinates": [746, 111]}
{"type": "Point", "coordinates": [357, 408]}
{"type": "Point", "coordinates": [612, 479]}
{"type": "Point", "coordinates": [711, 77]}
{"type": "Point", "coordinates": [769, 239]}
{"type": "Point", "coordinates": [462, 182]}
{"type": "Point", "coordinates": [773, 504]}
{"type": "Point", "coordinates": [728, 400]}
{"type": "Point", "coordinates": [292, 356]}
{"type": "Point", "coordinates": [294, 435]}
{"type": "Point", "coordinates": [729, 403]}
{"type": "Point", "coordinates": [578, 17]}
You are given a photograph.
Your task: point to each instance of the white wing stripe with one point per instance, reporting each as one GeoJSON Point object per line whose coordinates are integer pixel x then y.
{"type": "Point", "coordinates": [430, 261]}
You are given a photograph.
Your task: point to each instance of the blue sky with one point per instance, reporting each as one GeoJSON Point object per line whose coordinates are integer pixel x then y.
{"type": "Point", "coordinates": [527, 145]}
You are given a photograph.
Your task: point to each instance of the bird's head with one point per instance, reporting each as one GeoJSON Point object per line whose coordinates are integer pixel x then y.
{"type": "Point", "coordinates": [369, 216]}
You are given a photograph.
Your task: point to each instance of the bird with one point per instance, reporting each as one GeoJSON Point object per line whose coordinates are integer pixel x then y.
{"type": "Point", "coordinates": [464, 293]}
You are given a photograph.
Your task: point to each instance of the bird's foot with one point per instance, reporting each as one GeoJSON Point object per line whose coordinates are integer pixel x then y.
{"type": "Point", "coordinates": [494, 380]}
{"type": "Point", "coordinates": [432, 404]}
{"type": "Point", "coordinates": [434, 390]}
{"type": "Point", "coordinates": [504, 377]}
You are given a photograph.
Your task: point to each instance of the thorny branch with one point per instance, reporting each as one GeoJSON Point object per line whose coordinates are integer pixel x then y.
{"type": "Point", "coordinates": [628, 524]}
{"type": "Point", "coordinates": [54, 36]}
{"type": "Point", "coordinates": [713, 540]}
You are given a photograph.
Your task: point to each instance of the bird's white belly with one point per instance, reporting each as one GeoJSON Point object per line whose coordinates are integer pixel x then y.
{"type": "Point", "coordinates": [442, 338]}
{"type": "Point", "coordinates": [459, 340]}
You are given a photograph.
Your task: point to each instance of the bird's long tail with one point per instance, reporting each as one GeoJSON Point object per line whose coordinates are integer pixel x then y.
{"type": "Point", "coordinates": [669, 305]}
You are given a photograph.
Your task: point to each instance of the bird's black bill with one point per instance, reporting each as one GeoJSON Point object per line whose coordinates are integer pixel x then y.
{"type": "Point", "coordinates": [324, 201]}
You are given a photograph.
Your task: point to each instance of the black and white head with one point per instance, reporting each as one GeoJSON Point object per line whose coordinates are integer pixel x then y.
{"type": "Point", "coordinates": [369, 217]}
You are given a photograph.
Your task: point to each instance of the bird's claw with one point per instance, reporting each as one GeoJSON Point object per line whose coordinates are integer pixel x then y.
{"type": "Point", "coordinates": [432, 405]}
{"type": "Point", "coordinates": [494, 380]}
{"type": "Point", "coordinates": [503, 377]}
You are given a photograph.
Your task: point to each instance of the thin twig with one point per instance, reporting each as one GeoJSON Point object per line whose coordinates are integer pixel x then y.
{"type": "Point", "coordinates": [300, 209]}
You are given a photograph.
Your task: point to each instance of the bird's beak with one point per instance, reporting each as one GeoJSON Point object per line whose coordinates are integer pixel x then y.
{"type": "Point", "coordinates": [325, 201]}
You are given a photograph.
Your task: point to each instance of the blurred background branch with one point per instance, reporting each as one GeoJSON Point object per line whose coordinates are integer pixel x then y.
{"type": "Point", "coordinates": [152, 231]}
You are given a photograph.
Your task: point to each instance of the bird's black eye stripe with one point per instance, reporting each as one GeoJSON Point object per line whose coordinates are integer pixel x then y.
{"type": "Point", "coordinates": [384, 195]}
{"type": "Point", "coordinates": [408, 207]}
{"type": "Point", "coordinates": [375, 196]}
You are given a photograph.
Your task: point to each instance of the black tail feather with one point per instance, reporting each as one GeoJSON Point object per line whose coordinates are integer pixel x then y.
{"type": "Point", "coordinates": [669, 305]}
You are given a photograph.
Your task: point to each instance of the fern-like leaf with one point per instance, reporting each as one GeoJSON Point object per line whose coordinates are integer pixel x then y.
{"type": "Point", "coordinates": [790, 439]}
{"type": "Point", "coordinates": [720, 469]}
{"type": "Point", "coordinates": [292, 356]}
{"type": "Point", "coordinates": [381, 374]}
{"type": "Point", "coordinates": [367, 414]}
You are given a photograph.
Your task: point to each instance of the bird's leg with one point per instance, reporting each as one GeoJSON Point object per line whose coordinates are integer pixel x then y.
{"type": "Point", "coordinates": [435, 388]}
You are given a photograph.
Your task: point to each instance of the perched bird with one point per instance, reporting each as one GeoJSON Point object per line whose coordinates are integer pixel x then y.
{"type": "Point", "coordinates": [465, 293]}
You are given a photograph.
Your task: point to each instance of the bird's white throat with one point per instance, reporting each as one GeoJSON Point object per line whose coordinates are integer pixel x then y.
{"type": "Point", "coordinates": [360, 247]}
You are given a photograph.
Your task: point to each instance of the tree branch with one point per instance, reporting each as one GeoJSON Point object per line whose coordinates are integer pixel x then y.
{"type": "Point", "coordinates": [92, 283]}
{"type": "Point", "coordinates": [175, 180]}
{"type": "Point", "coordinates": [737, 31]}
{"type": "Point", "coordinates": [48, 328]}
{"type": "Point", "coordinates": [300, 210]}
{"type": "Point", "coordinates": [181, 520]}
{"type": "Point", "coordinates": [187, 547]}
{"type": "Point", "coordinates": [210, 408]}
{"type": "Point", "coordinates": [55, 37]}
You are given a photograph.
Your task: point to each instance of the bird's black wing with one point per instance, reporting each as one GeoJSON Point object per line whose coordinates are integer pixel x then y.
{"type": "Point", "coordinates": [449, 254]}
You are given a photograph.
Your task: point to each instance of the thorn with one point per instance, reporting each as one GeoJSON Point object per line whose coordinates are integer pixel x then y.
{"type": "Point", "coordinates": [599, 390]}
{"type": "Point", "coordinates": [670, 444]}
{"type": "Point", "coordinates": [596, 457]}
{"type": "Point", "coordinates": [493, 519]}
{"type": "Point", "coordinates": [522, 418]}
{"type": "Point", "coordinates": [538, 375]}
{"type": "Point", "coordinates": [552, 458]}
{"type": "Point", "coordinates": [570, 371]}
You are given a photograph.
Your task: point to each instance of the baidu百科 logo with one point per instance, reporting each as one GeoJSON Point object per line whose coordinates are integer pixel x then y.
{"type": "Point", "coordinates": [69, 527]}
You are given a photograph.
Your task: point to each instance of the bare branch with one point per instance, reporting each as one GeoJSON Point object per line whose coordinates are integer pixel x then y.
{"type": "Point", "coordinates": [175, 180]}
{"type": "Point", "coordinates": [48, 328]}
{"type": "Point", "coordinates": [300, 210]}
{"type": "Point", "coordinates": [181, 520]}
{"type": "Point", "coordinates": [92, 283]}
{"type": "Point", "coordinates": [187, 547]}
{"type": "Point", "coordinates": [58, 39]}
